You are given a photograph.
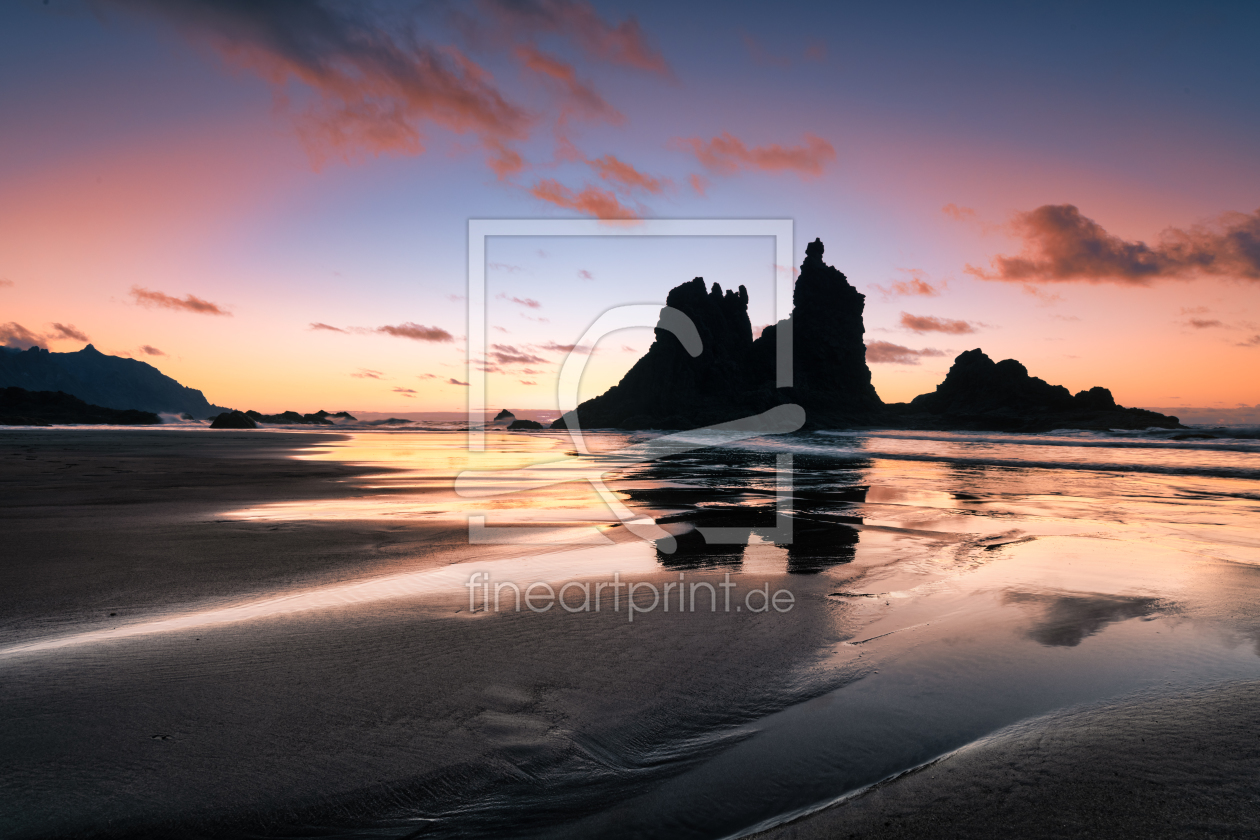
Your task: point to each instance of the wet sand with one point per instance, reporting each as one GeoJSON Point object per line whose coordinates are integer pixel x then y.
{"type": "Point", "coordinates": [1180, 766]}
{"type": "Point", "coordinates": [292, 651]}
{"type": "Point", "coordinates": [394, 712]}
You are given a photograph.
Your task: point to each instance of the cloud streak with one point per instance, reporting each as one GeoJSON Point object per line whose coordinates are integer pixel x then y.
{"type": "Point", "coordinates": [188, 303]}
{"type": "Point", "coordinates": [373, 89]}
{"type": "Point", "coordinates": [67, 331]}
{"type": "Point", "coordinates": [371, 79]}
{"type": "Point", "coordinates": [929, 323]}
{"type": "Point", "coordinates": [915, 286]}
{"type": "Point", "coordinates": [552, 347]}
{"type": "Point", "coordinates": [149, 350]}
{"type": "Point", "coordinates": [590, 200]}
{"type": "Point", "coordinates": [14, 334]}
{"type": "Point", "coordinates": [416, 332]}
{"type": "Point", "coordinates": [727, 154]}
{"type": "Point", "coordinates": [507, 354]}
{"type": "Point", "coordinates": [626, 177]}
{"type": "Point", "coordinates": [1061, 245]}
{"type": "Point", "coordinates": [529, 303]}
{"type": "Point", "coordinates": [887, 353]}
{"type": "Point", "coordinates": [625, 43]}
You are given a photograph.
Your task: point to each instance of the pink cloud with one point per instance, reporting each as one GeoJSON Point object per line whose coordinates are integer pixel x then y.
{"type": "Point", "coordinates": [958, 214]}
{"type": "Point", "coordinates": [67, 331]}
{"type": "Point", "coordinates": [14, 334]}
{"type": "Point", "coordinates": [188, 303]}
{"type": "Point", "coordinates": [552, 347]}
{"type": "Point", "coordinates": [527, 302]}
{"type": "Point", "coordinates": [624, 43]}
{"type": "Point", "coordinates": [417, 332]}
{"type": "Point", "coordinates": [580, 98]}
{"type": "Point", "coordinates": [1061, 245]}
{"type": "Point", "coordinates": [625, 176]}
{"type": "Point", "coordinates": [506, 354]}
{"type": "Point", "coordinates": [885, 352]}
{"type": "Point", "coordinates": [915, 286]}
{"type": "Point", "coordinates": [928, 323]}
{"type": "Point", "coordinates": [591, 201]}
{"type": "Point", "coordinates": [728, 154]}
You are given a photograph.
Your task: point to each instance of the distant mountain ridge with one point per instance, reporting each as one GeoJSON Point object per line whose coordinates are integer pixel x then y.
{"type": "Point", "coordinates": [98, 379]}
{"type": "Point", "coordinates": [19, 407]}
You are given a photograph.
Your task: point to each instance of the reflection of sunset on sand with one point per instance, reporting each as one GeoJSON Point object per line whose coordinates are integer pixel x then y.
{"type": "Point", "coordinates": [940, 595]}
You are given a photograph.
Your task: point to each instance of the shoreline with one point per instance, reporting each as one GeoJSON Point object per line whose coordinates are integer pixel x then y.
{"type": "Point", "coordinates": [356, 713]}
{"type": "Point", "coordinates": [1155, 764]}
{"type": "Point", "coordinates": [293, 627]}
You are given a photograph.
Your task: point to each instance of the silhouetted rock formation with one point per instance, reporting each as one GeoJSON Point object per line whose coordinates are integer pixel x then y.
{"type": "Point", "coordinates": [524, 425]}
{"type": "Point", "coordinates": [319, 418]}
{"type": "Point", "coordinates": [234, 420]}
{"type": "Point", "coordinates": [979, 394]}
{"type": "Point", "coordinates": [20, 407]}
{"type": "Point", "coordinates": [733, 376]}
{"type": "Point", "coordinates": [107, 381]}
{"type": "Point", "coordinates": [504, 416]}
{"type": "Point", "coordinates": [831, 379]}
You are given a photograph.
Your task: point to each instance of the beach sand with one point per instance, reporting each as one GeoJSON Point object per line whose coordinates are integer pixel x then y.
{"type": "Point", "coordinates": [269, 635]}
{"type": "Point", "coordinates": [403, 704]}
{"type": "Point", "coordinates": [1181, 766]}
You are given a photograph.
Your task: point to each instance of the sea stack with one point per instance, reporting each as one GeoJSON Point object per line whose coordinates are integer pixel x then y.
{"type": "Point", "coordinates": [979, 394]}
{"type": "Point", "coordinates": [734, 376]}
{"type": "Point", "coordinates": [831, 379]}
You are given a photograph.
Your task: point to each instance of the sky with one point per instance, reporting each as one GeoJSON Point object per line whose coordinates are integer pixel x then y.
{"type": "Point", "coordinates": [270, 201]}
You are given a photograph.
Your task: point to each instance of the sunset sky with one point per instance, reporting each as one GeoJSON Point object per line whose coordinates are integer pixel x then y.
{"type": "Point", "coordinates": [269, 201]}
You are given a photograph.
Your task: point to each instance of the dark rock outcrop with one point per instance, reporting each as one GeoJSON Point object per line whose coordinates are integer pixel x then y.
{"type": "Point", "coordinates": [979, 394]}
{"type": "Point", "coordinates": [234, 420]}
{"type": "Point", "coordinates": [734, 376]}
{"type": "Point", "coordinates": [318, 418]}
{"type": "Point", "coordinates": [504, 416]}
{"type": "Point", "coordinates": [20, 407]}
{"type": "Point", "coordinates": [831, 379]}
{"type": "Point", "coordinates": [106, 381]}
{"type": "Point", "coordinates": [525, 425]}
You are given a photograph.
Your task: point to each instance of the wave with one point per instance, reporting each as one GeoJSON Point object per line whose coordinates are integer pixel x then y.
{"type": "Point", "coordinates": [1240, 442]}
{"type": "Point", "coordinates": [1093, 463]}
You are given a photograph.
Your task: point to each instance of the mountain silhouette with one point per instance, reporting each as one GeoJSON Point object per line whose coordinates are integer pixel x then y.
{"type": "Point", "coordinates": [108, 381]}
{"type": "Point", "coordinates": [20, 407]}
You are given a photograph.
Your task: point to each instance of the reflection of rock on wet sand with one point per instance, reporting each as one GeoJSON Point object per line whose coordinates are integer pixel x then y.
{"type": "Point", "coordinates": [1067, 618]}
{"type": "Point", "coordinates": [725, 489]}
